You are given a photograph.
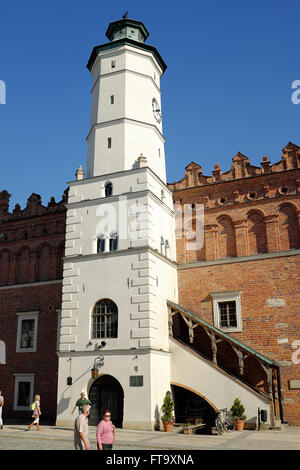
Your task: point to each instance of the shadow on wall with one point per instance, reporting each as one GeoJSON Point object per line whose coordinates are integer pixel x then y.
{"type": "Point", "coordinates": [157, 419]}
{"type": "Point", "coordinates": [64, 403]}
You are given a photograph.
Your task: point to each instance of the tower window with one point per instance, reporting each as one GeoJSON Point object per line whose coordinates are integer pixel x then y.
{"type": "Point", "coordinates": [105, 319]}
{"type": "Point", "coordinates": [108, 189]}
{"type": "Point", "coordinates": [113, 241]}
{"type": "Point", "coordinates": [112, 99]}
{"type": "Point", "coordinates": [159, 153]}
{"type": "Point", "coordinates": [100, 244]}
{"type": "Point", "coordinates": [113, 64]}
{"type": "Point", "coordinates": [109, 142]}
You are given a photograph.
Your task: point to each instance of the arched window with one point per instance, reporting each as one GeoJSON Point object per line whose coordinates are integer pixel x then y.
{"type": "Point", "coordinates": [226, 237]}
{"type": "Point", "coordinates": [288, 227]}
{"type": "Point", "coordinates": [22, 271]}
{"type": "Point", "coordinates": [105, 319]}
{"type": "Point", "coordinates": [100, 243]}
{"type": "Point", "coordinates": [60, 260]}
{"type": "Point", "coordinates": [257, 234]}
{"type": "Point", "coordinates": [113, 241]}
{"type": "Point", "coordinates": [4, 266]}
{"type": "Point", "coordinates": [43, 268]}
{"type": "Point", "coordinates": [108, 189]}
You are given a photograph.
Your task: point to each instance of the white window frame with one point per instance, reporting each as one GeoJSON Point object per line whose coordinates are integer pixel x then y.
{"type": "Point", "coordinates": [27, 316]}
{"type": "Point", "coordinates": [2, 352]}
{"type": "Point", "coordinates": [230, 296]}
{"type": "Point", "coordinates": [23, 378]}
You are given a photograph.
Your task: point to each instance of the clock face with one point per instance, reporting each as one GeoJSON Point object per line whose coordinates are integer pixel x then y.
{"type": "Point", "coordinates": [156, 110]}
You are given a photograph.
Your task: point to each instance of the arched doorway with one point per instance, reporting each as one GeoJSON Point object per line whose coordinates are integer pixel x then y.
{"type": "Point", "coordinates": [190, 406]}
{"type": "Point", "coordinates": [106, 393]}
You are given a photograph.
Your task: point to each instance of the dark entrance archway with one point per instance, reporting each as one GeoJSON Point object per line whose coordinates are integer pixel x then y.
{"type": "Point", "coordinates": [106, 393]}
{"type": "Point", "coordinates": [190, 407]}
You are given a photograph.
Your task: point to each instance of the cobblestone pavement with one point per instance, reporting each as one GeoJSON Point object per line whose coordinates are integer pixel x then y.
{"type": "Point", "coordinates": [14, 437]}
{"type": "Point", "coordinates": [13, 443]}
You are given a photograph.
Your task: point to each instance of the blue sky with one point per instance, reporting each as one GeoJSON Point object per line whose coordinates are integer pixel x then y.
{"type": "Point", "coordinates": [227, 87]}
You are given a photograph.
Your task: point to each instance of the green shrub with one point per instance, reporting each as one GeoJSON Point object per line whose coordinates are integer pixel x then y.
{"type": "Point", "coordinates": [238, 409]}
{"type": "Point", "coordinates": [167, 408]}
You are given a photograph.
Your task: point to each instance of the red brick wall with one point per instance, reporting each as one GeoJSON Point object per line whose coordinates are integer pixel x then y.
{"type": "Point", "coordinates": [44, 362]}
{"type": "Point", "coordinates": [31, 252]}
{"type": "Point", "coordinates": [263, 325]}
{"type": "Point", "coordinates": [246, 217]}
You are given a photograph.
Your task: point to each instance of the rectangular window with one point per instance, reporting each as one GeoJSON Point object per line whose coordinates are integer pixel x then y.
{"type": "Point", "coordinates": [227, 311]}
{"type": "Point", "coordinates": [27, 332]}
{"type": "Point", "coordinates": [23, 396]}
{"type": "Point", "coordinates": [109, 142]}
{"type": "Point", "coordinates": [136, 380]}
{"type": "Point", "coordinates": [112, 99]}
{"type": "Point", "coordinates": [113, 64]}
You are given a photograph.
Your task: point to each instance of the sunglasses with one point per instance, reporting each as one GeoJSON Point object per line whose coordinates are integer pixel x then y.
{"type": "Point", "coordinates": [107, 416]}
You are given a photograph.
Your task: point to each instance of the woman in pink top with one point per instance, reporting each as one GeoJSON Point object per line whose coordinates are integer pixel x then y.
{"type": "Point", "coordinates": [105, 432]}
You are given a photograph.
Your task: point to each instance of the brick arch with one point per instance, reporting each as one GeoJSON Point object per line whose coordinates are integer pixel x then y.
{"type": "Point", "coordinates": [5, 256]}
{"type": "Point", "coordinates": [23, 265]}
{"type": "Point", "coordinates": [257, 234]}
{"type": "Point", "coordinates": [226, 237]}
{"type": "Point", "coordinates": [288, 226]}
{"type": "Point", "coordinates": [43, 262]}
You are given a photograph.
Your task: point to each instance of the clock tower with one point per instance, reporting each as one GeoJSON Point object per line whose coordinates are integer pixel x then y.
{"type": "Point", "coordinates": [119, 265]}
{"type": "Point", "coordinates": [126, 118]}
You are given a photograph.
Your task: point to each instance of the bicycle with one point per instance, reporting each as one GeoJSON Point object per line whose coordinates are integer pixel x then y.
{"type": "Point", "coordinates": [224, 421]}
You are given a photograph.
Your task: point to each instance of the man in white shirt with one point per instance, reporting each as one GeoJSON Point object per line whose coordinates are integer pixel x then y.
{"type": "Point", "coordinates": [81, 430]}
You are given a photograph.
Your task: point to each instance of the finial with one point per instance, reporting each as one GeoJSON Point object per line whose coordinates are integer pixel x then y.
{"type": "Point", "coordinates": [142, 161]}
{"type": "Point", "coordinates": [125, 14]}
{"type": "Point", "coordinates": [79, 173]}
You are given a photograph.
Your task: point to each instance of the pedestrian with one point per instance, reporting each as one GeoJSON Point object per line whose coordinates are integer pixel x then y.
{"type": "Point", "coordinates": [81, 429]}
{"type": "Point", "coordinates": [105, 432]}
{"type": "Point", "coordinates": [1, 408]}
{"type": "Point", "coordinates": [36, 413]}
{"type": "Point", "coordinates": [80, 402]}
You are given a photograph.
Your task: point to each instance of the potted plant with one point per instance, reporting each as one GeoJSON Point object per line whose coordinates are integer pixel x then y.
{"type": "Point", "coordinates": [167, 409]}
{"type": "Point", "coordinates": [237, 411]}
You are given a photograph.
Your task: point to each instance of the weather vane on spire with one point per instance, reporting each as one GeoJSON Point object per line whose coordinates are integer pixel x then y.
{"type": "Point", "coordinates": [125, 14]}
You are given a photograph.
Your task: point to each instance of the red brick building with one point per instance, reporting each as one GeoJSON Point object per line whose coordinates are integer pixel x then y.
{"type": "Point", "coordinates": [31, 252]}
{"type": "Point", "coordinates": [245, 278]}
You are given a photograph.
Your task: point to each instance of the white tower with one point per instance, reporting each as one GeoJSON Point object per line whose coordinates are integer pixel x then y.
{"type": "Point", "coordinates": [119, 267]}
{"type": "Point", "coordinates": [126, 102]}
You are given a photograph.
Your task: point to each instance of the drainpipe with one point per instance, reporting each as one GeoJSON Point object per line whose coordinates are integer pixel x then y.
{"type": "Point", "coordinates": [283, 420]}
